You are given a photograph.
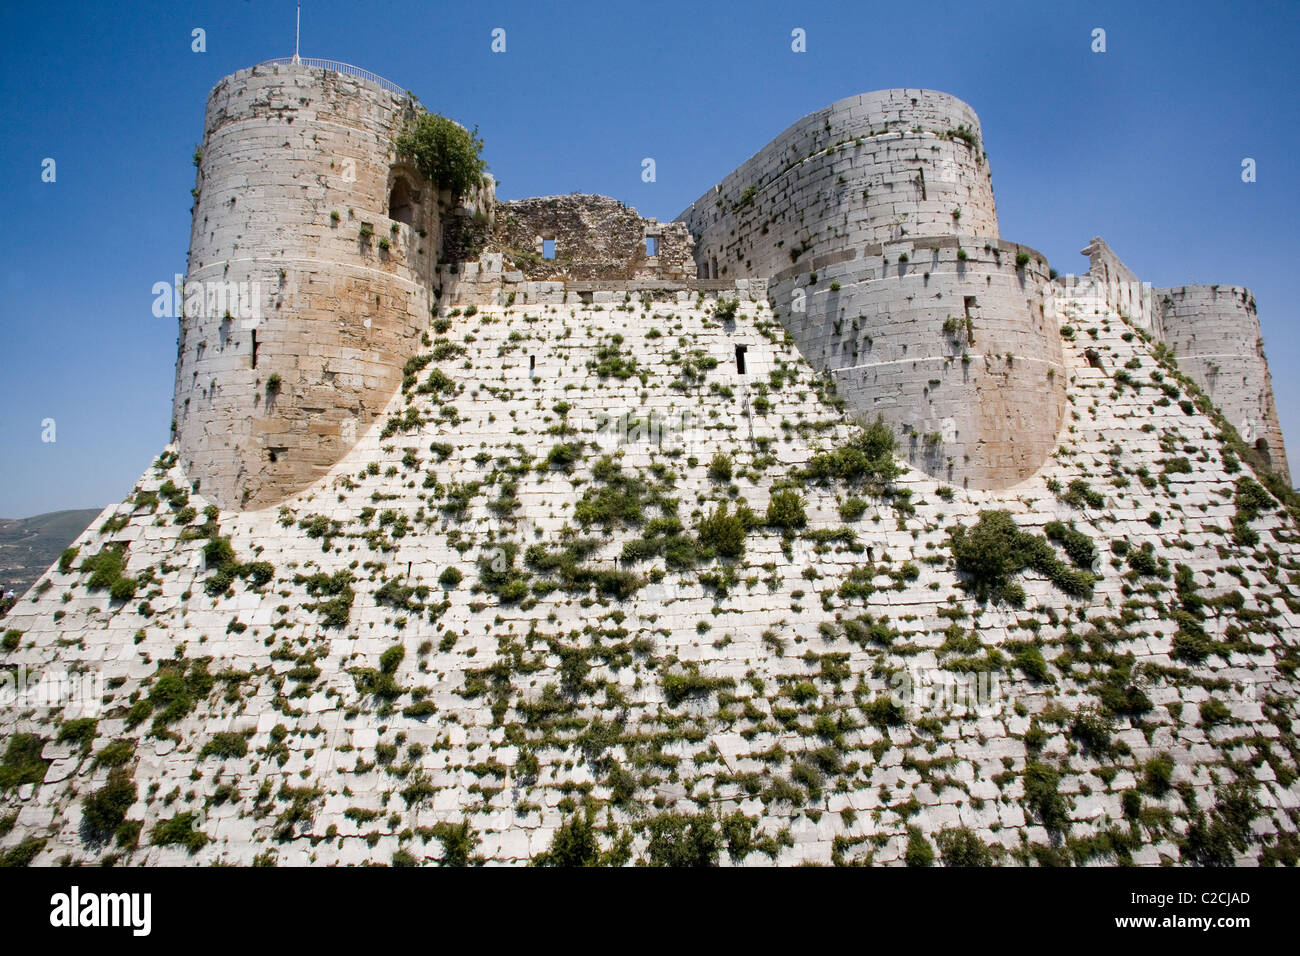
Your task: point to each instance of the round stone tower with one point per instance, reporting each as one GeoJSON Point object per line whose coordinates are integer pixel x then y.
{"type": "Point", "coordinates": [867, 169]}
{"type": "Point", "coordinates": [874, 221]}
{"type": "Point", "coordinates": [312, 255]}
{"type": "Point", "coordinates": [1214, 332]}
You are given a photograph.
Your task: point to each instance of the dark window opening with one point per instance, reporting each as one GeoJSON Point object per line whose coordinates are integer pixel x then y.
{"type": "Point", "coordinates": [532, 365]}
{"type": "Point", "coordinates": [1261, 446]}
{"type": "Point", "coordinates": [740, 359]}
{"type": "Point", "coordinates": [254, 334]}
{"type": "Point", "coordinates": [713, 267]}
{"type": "Point", "coordinates": [548, 248]}
{"type": "Point", "coordinates": [401, 204]}
{"type": "Point", "coordinates": [652, 245]}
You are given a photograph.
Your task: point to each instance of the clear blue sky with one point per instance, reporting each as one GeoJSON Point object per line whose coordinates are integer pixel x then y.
{"type": "Point", "coordinates": [1141, 144]}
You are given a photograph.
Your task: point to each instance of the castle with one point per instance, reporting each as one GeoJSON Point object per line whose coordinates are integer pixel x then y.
{"type": "Point", "coordinates": [821, 524]}
{"type": "Point", "coordinates": [871, 225]}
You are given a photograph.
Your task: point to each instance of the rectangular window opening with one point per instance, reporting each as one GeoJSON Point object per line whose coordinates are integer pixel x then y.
{"type": "Point", "coordinates": [254, 334]}
{"type": "Point", "coordinates": [548, 248]}
{"type": "Point", "coordinates": [740, 359]}
{"type": "Point", "coordinates": [652, 245]}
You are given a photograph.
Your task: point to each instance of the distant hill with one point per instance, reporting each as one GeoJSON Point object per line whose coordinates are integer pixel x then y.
{"type": "Point", "coordinates": [28, 546]}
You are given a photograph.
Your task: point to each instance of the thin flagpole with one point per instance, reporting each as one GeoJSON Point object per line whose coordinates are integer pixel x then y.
{"type": "Point", "coordinates": [297, 32]}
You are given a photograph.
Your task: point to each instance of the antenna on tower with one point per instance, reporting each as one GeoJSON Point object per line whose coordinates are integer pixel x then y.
{"type": "Point", "coordinates": [297, 32]}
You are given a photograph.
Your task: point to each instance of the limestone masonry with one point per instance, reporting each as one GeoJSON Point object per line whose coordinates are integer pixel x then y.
{"type": "Point", "coordinates": [298, 192]}
{"type": "Point", "coordinates": [873, 221]}
{"type": "Point", "coordinates": [497, 520]}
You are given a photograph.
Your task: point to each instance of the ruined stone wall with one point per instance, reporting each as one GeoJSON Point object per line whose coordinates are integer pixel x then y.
{"type": "Point", "coordinates": [292, 198]}
{"type": "Point", "coordinates": [870, 168]}
{"type": "Point", "coordinates": [594, 237]}
{"type": "Point", "coordinates": [1123, 290]}
{"type": "Point", "coordinates": [954, 345]}
{"type": "Point", "coordinates": [491, 281]}
{"type": "Point", "coordinates": [1214, 332]}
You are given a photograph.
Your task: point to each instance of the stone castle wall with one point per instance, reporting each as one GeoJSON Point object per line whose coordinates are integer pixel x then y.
{"type": "Point", "coordinates": [962, 356]}
{"type": "Point", "coordinates": [1122, 289]}
{"type": "Point", "coordinates": [593, 236]}
{"type": "Point", "coordinates": [866, 169]}
{"type": "Point", "coordinates": [292, 197]}
{"type": "Point", "coordinates": [491, 281]}
{"type": "Point", "coordinates": [492, 730]}
{"type": "Point", "coordinates": [1214, 332]}
{"type": "Point", "coordinates": [925, 318]}
{"type": "Point", "coordinates": [583, 668]}
{"type": "Point", "coordinates": [875, 217]}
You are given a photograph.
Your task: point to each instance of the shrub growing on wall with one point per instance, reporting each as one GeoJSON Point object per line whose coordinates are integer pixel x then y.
{"type": "Point", "coordinates": [785, 510]}
{"type": "Point", "coordinates": [444, 151]}
{"type": "Point", "coordinates": [994, 549]}
{"type": "Point", "coordinates": [723, 533]}
{"type": "Point", "coordinates": [867, 458]}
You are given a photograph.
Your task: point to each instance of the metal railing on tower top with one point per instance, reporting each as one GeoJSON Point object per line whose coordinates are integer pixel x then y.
{"type": "Point", "coordinates": [336, 67]}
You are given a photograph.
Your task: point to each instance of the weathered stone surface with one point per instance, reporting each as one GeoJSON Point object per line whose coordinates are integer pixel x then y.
{"type": "Point", "coordinates": [594, 237]}
{"type": "Point", "coordinates": [304, 272]}
{"type": "Point", "coordinates": [488, 601]}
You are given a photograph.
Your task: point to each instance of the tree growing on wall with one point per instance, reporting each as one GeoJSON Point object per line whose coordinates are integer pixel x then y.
{"type": "Point", "coordinates": [444, 151]}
